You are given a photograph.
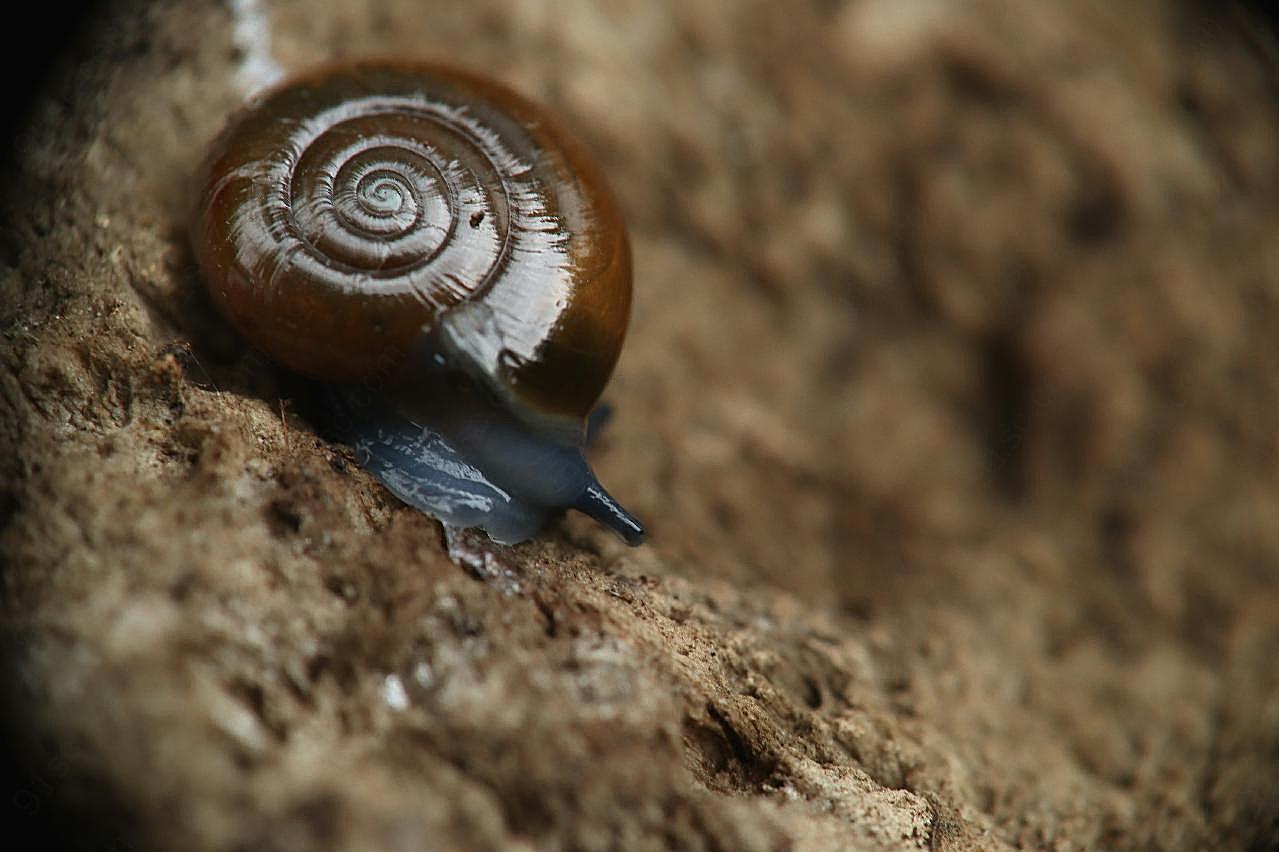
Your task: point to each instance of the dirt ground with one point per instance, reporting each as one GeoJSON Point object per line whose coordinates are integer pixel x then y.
{"type": "Point", "coordinates": [951, 400]}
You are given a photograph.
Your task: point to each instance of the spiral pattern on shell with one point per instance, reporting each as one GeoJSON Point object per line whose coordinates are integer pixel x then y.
{"type": "Point", "coordinates": [403, 191]}
{"type": "Point", "coordinates": [348, 215]}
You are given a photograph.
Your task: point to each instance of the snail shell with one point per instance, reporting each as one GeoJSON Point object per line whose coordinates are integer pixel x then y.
{"type": "Point", "coordinates": [446, 259]}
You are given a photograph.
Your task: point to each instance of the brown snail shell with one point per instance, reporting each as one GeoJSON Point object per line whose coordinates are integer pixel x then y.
{"type": "Point", "coordinates": [407, 232]}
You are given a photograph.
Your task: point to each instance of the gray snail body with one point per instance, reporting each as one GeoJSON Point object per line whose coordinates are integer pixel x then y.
{"type": "Point", "coordinates": [451, 267]}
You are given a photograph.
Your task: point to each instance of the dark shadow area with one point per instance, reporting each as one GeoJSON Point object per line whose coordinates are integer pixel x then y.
{"type": "Point", "coordinates": [1007, 405]}
{"type": "Point", "coordinates": [33, 795]}
{"type": "Point", "coordinates": [46, 33]}
{"type": "Point", "coordinates": [41, 798]}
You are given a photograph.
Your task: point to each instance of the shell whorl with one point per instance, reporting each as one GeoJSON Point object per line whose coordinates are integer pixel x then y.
{"type": "Point", "coordinates": [350, 214]}
{"type": "Point", "coordinates": [406, 195]}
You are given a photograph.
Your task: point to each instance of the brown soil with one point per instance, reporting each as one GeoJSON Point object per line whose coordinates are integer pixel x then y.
{"type": "Point", "coordinates": [951, 399]}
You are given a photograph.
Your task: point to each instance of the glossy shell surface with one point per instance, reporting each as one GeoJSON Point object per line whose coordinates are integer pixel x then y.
{"type": "Point", "coordinates": [349, 213]}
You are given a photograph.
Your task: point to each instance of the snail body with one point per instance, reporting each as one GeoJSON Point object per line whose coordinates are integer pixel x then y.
{"type": "Point", "coordinates": [447, 262]}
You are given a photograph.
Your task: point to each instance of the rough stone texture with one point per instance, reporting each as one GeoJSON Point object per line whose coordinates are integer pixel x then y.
{"type": "Point", "coordinates": [952, 400]}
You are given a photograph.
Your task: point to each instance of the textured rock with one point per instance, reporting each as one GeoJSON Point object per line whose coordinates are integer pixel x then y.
{"type": "Point", "coordinates": [950, 401]}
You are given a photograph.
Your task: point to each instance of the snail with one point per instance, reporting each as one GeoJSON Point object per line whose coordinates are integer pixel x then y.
{"type": "Point", "coordinates": [448, 264]}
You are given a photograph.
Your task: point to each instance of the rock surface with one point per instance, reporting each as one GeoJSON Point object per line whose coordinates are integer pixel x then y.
{"type": "Point", "coordinates": [951, 399]}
